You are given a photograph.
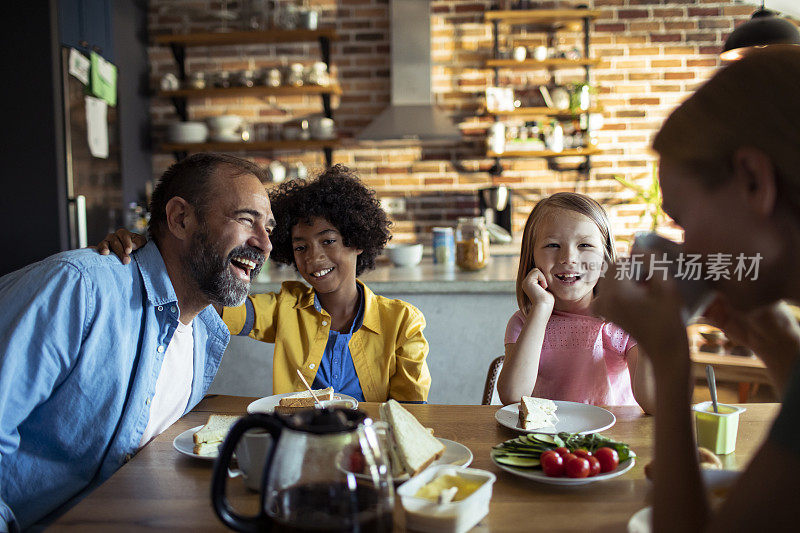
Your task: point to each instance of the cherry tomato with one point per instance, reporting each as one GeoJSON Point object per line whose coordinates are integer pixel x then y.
{"type": "Point", "coordinates": [608, 457]}
{"type": "Point", "coordinates": [567, 457]}
{"type": "Point", "coordinates": [577, 467]}
{"type": "Point", "coordinates": [582, 452]}
{"type": "Point", "coordinates": [562, 451]}
{"type": "Point", "coordinates": [552, 464]}
{"type": "Point", "coordinates": [594, 466]}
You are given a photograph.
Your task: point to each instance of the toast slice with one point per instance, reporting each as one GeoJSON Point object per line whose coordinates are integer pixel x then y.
{"type": "Point", "coordinates": [215, 430]}
{"type": "Point", "coordinates": [207, 448]}
{"type": "Point", "coordinates": [536, 413]}
{"type": "Point", "coordinates": [304, 399]}
{"type": "Point", "coordinates": [413, 444]}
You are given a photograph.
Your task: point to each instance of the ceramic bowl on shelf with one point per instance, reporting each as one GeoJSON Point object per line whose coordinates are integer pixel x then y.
{"type": "Point", "coordinates": [403, 254]}
{"type": "Point", "coordinates": [187, 132]}
{"type": "Point", "coordinates": [224, 123]}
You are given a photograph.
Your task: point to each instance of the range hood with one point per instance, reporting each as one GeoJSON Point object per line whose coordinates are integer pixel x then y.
{"type": "Point", "coordinates": [411, 113]}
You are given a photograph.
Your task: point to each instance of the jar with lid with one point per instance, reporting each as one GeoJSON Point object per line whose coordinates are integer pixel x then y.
{"type": "Point", "coordinates": [472, 243]}
{"type": "Point", "coordinates": [318, 75]}
{"type": "Point", "coordinates": [295, 77]}
{"type": "Point", "coordinates": [197, 80]}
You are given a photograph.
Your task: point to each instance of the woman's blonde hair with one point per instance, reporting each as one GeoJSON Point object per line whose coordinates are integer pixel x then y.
{"type": "Point", "coordinates": [753, 102]}
{"type": "Point", "coordinates": [570, 201]}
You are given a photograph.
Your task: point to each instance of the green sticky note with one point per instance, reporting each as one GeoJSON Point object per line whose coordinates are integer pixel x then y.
{"type": "Point", "coordinates": [104, 80]}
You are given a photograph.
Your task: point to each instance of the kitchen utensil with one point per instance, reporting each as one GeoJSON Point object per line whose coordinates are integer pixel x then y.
{"type": "Point", "coordinates": [169, 82]}
{"type": "Point", "coordinates": [325, 467]}
{"type": "Point", "coordinates": [310, 390]}
{"type": "Point", "coordinates": [322, 128]}
{"type": "Point", "coordinates": [712, 386]}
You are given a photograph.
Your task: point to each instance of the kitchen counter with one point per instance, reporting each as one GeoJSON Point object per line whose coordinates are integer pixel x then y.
{"type": "Point", "coordinates": [499, 276]}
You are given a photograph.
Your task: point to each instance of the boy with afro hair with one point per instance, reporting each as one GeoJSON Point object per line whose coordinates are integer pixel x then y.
{"type": "Point", "coordinates": [335, 330]}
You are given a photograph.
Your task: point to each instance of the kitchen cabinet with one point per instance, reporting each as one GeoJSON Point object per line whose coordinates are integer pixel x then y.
{"type": "Point", "coordinates": [548, 22]}
{"type": "Point", "coordinates": [180, 42]}
{"type": "Point", "coordinates": [86, 25]}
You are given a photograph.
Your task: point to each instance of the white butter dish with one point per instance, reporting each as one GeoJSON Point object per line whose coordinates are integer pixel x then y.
{"type": "Point", "coordinates": [456, 517]}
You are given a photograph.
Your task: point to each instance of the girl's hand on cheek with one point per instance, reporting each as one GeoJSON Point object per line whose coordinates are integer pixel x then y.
{"type": "Point", "coordinates": [649, 311]}
{"type": "Point", "coordinates": [535, 286]}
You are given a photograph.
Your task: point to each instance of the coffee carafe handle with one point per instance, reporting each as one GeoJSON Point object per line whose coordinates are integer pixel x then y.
{"type": "Point", "coordinates": [248, 524]}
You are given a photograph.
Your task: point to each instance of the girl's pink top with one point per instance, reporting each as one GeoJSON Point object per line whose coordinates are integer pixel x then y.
{"type": "Point", "coordinates": [584, 359]}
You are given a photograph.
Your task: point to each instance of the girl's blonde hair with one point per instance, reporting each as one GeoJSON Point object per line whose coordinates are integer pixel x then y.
{"type": "Point", "coordinates": [570, 201]}
{"type": "Point", "coordinates": [752, 102]}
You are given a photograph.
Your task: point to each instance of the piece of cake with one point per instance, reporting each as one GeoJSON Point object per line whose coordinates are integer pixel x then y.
{"type": "Point", "coordinates": [536, 413]}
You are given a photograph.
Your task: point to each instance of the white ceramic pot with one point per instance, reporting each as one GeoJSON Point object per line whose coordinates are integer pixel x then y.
{"type": "Point", "coordinates": [187, 132]}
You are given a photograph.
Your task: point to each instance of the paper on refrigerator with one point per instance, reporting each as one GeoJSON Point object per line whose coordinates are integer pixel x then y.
{"type": "Point", "coordinates": [97, 126]}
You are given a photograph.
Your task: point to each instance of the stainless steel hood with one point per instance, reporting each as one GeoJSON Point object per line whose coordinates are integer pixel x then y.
{"type": "Point", "coordinates": [411, 113]}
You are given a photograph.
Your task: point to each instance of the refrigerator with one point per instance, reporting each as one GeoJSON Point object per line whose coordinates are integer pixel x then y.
{"type": "Point", "coordinates": [93, 184]}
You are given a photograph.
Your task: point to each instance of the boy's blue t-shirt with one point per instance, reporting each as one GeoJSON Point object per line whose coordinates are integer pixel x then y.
{"type": "Point", "coordinates": [336, 368]}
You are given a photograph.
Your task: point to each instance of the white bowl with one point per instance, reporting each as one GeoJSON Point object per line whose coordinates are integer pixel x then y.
{"type": "Point", "coordinates": [224, 122]}
{"type": "Point", "coordinates": [404, 255]}
{"type": "Point", "coordinates": [187, 132]}
{"type": "Point", "coordinates": [456, 517]}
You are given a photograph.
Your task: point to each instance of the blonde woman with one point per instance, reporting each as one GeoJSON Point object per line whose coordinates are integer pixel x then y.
{"type": "Point", "coordinates": [555, 347]}
{"type": "Point", "coordinates": [730, 176]}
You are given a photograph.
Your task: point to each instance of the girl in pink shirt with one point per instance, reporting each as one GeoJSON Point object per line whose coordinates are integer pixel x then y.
{"type": "Point", "coordinates": [555, 347]}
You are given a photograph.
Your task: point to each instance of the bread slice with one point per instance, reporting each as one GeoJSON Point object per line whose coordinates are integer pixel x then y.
{"type": "Point", "coordinates": [304, 399]}
{"type": "Point", "coordinates": [207, 448]}
{"type": "Point", "coordinates": [536, 413]}
{"type": "Point", "coordinates": [413, 444]}
{"type": "Point", "coordinates": [215, 430]}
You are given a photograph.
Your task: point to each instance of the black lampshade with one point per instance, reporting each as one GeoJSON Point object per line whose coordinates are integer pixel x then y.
{"type": "Point", "coordinates": [763, 29]}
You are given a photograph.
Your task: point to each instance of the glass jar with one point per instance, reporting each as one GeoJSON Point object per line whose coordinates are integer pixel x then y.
{"type": "Point", "coordinates": [472, 243]}
{"type": "Point", "coordinates": [318, 75]}
{"type": "Point", "coordinates": [295, 77]}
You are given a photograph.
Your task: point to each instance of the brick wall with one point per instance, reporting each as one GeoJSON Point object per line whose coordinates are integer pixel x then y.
{"type": "Point", "coordinates": [653, 54]}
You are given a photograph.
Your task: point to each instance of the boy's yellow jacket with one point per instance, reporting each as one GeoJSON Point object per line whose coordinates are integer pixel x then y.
{"type": "Point", "coordinates": [388, 350]}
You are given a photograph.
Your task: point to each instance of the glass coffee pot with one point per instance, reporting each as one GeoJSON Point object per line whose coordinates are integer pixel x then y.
{"type": "Point", "coordinates": [326, 471]}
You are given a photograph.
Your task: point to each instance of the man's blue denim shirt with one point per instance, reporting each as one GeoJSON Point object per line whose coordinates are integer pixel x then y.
{"type": "Point", "coordinates": [82, 339]}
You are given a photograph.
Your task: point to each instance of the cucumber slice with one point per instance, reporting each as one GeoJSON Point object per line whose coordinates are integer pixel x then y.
{"type": "Point", "coordinates": [520, 462]}
{"type": "Point", "coordinates": [543, 438]}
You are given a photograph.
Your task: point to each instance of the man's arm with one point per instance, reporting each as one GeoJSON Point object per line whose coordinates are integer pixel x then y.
{"type": "Point", "coordinates": [42, 315]}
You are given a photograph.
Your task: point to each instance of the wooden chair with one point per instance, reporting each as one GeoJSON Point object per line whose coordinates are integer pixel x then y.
{"type": "Point", "coordinates": [490, 388]}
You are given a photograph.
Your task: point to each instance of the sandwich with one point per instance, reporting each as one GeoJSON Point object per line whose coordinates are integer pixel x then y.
{"type": "Point", "coordinates": [304, 399]}
{"type": "Point", "coordinates": [209, 437]}
{"type": "Point", "coordinates": [536, 413]}
{"type": "Point", "coordinates": [412, 447]}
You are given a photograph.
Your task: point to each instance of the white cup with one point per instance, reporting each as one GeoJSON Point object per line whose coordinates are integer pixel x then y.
{"type": "Point", "coordinates": [520, 53]}
{"type": "Point", "coordinates": [251, 454]}
{"type": "Point", "coordinates": [540, 53]}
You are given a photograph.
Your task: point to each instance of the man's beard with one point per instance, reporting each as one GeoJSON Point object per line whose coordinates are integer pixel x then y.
{"type": "Point", "coordinates": [212, 272]}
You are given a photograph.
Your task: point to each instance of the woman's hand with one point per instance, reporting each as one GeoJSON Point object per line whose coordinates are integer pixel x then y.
{"type": "Point", "coordinates": [535, 286]}
{"type": "Point", "coordinates": [122, 242]}
{"type": "Point", "coordinates": [649, 311]}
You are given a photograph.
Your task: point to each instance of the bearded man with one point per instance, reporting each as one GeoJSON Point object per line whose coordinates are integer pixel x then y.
{"type": "Point", "coordinates": [98, 357]}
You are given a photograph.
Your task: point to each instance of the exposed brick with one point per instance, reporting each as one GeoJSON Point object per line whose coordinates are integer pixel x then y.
{"type": "Point", "coordinates": [632, 13]}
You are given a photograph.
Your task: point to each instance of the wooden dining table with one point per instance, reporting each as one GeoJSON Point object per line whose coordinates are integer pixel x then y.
{"type": "Point", "coordinates": [160, 488]}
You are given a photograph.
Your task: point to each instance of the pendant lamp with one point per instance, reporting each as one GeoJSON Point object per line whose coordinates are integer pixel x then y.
{"type": "Point", "coordinates": [763, 29]}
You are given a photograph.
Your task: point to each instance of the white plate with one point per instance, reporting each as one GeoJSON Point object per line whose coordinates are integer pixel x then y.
{"type": "Point", "coordinates": [713, 479]}
{"type": "Point", "coordinates": [184, 443]}
{"type": "Point", "coordinates": [641, 521]}
{"type": "Point", "coordinates": [573, 417]}
{"type": "Point", "coordinates": [536, 474]}
{"type": "Point", "coordinates": [268, 404]}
